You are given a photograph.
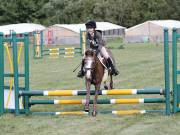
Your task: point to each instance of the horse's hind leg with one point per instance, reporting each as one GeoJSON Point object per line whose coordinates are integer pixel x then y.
{"type": "Point", "coordinates": [97, 88]}
{"type": "Point", "coordinates": [111, 82]}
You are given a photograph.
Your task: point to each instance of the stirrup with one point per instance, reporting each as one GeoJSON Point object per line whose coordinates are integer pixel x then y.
{"type": "Point", "coordinates": [80, 74]}
{"type": "Point", "coordinates": [115, 72]}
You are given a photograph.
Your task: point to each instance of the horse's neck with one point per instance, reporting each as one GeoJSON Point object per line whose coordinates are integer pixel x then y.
{"type": "Point", "coordinates": [99, 67]}
{"type": "Point", "coordinates": [99, 72]}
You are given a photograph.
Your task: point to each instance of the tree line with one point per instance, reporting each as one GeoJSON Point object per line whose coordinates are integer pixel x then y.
{"type": "Point", "coordinates": [126, 13]}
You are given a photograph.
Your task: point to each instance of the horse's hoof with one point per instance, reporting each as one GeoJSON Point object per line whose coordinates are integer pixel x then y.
{"type": "Point", "coordinates": [86, 109]}
{"type": "Point", "coordinates": [94, 113]}
{"type": "Point", "coordinates": [106, 87]}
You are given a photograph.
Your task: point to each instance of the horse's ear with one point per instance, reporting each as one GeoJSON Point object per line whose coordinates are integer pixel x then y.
{"type": "Point", "coordinates": [88, 52]}
{"type": "Point", "coordinates": [85, 53]}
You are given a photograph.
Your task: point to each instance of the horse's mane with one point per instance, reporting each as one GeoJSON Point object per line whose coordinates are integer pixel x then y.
{"type": "Point", "coordinates": [100, 31]}
{"type": "Point", "coordinates": [89, 52]}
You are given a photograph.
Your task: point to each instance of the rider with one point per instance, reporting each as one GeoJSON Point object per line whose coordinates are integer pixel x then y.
{"type": "Point", "coordinates": [95, 42]}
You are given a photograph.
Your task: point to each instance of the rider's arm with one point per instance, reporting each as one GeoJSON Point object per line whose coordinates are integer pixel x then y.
{"type": "Point", "coordinates": [87, 42]}
{"type": "Point", "coordinates": [99, 39]}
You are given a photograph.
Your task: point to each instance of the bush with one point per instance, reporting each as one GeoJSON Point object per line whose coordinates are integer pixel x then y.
{"type": "Point", "coordinates": [121, 47]}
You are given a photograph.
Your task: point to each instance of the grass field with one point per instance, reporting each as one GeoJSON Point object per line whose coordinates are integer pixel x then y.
{"type": "Point", "coordinates": [140, 65]}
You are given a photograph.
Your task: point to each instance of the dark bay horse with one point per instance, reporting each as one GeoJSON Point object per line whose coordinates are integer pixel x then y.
{"type": "Point", "coordinates": [94, 73]}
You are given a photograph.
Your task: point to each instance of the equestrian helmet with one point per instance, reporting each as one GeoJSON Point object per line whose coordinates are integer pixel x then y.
{"type": "Point", "coordinates": [91, 24]}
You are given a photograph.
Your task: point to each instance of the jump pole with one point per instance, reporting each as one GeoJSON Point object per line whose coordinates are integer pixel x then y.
{"type": "Point", "coordinates": [115, 112]}
{"type": "Point", "coordinates": [100, 101]}
{"type": "Point", "coordinates": [92, 92]}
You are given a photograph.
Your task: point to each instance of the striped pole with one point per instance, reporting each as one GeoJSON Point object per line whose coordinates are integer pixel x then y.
{"type": "Point", "coordinates": [100, 101]}
{"type": "Point", "coordinates": [115, 112]}
{"type": "Point", "coordinates": [83, 92]}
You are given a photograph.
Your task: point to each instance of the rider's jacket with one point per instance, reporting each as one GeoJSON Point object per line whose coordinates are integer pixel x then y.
{"type": "Point", "coordinates": [95, 42]}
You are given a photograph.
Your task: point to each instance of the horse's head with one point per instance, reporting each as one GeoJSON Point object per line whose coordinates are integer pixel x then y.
{"type": "Point", "coordinates": [89, 63]}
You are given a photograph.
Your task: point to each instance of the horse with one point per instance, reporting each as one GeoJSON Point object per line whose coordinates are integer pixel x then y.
{"type": "Point", "coordinates": [94, 72]}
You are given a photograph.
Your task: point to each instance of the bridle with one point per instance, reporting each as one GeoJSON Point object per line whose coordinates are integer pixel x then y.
{"type": "Point", "coordinates": [89, 64]}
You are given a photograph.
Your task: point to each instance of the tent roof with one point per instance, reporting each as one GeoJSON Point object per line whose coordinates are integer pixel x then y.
{"type": "Point", "coordinates": [161, 23]}
{"type": "Point", "coordinates": [103, 26]}
{"type": "Point", "coordinates": [167, 23]}
{"type": "Point", "coordinates": [21, 28]}
{"type": "Point", "coordinates": [73, 27]}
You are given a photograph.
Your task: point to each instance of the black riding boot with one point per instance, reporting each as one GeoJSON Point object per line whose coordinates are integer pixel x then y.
{"type": "Point", "coordinates": [110, 64]}
{"type": "Point", "coordinates": [81, 72]}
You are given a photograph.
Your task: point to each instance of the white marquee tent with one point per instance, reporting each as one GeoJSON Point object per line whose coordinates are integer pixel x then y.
{"type": "Point", "coordinates": [21, 28]}
{"type": "Point", "coordinates": [151, 31]}
{"type": "Point", "coordinates": [69, 33]}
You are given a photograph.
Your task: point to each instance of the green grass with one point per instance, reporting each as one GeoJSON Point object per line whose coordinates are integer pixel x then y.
{"type": "Point", "coordinates": [140, 65]}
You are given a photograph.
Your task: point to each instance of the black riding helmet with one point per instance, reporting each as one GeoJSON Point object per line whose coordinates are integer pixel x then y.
{"type": "Point", "coordinates": [91, 24]}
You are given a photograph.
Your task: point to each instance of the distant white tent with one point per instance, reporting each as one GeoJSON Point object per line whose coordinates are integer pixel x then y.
{"type": "Point", "coordinates": [69, 33]}
{"type": "Point", "coordinates": [103, 26]}
{"type": "Point", "coordinates": [150, 31]}
{"type": "Point", "coordinates": [21, 28]}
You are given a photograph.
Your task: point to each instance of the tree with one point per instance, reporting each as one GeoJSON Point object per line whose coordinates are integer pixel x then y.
{"type": "Point", "coordinates": [123, 12]}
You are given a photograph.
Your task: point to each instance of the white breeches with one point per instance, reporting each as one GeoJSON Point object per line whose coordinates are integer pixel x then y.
{"type": "Point", "coordinates": [104, 52]}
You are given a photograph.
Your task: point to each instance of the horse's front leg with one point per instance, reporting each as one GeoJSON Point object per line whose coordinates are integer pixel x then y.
{"type": "Point", "coordinates": [97, 88]}
{"type": "Point", "coordinates": [88, 83]}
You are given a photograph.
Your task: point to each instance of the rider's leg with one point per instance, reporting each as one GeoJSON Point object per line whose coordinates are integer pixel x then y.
{"type": "Point", "coordinates": [109, 60]}
{"type": "Point", "coordinates": [81, 72]}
